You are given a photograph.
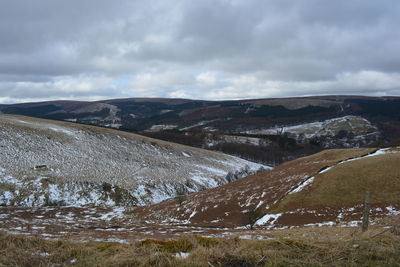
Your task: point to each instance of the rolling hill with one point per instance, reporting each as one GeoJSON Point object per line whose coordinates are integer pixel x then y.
{"type": "Point", "coordinates": [140, 114]}
{"type": "Point", "coordinates": [284, 123]}
{"type": "Point", "coordinates": [325, 188]}
{"type": "Point", "coordinates": [45, 162]}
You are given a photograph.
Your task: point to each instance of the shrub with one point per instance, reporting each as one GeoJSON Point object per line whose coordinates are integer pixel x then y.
{"type": "Point", "coordinates": [172, 246]}
{"type": "Point", "coordinates": [206, 241]}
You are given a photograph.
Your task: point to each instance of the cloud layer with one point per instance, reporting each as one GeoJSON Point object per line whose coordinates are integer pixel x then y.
{"type": "Point", "coordinates": [207, 49]}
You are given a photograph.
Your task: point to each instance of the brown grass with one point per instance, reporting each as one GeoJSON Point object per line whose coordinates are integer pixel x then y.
{"type": "Point", "coordinates": [345, 185]}
{"type": "Point", "coordinates": [344, 247]}
{"type": "Point", "coordinates": [267, 186]}
{"type": "Point", "coordinates": [336, 155]}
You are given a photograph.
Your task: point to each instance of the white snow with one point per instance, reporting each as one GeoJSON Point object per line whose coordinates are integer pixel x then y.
{"type": "Point", "coordinates": [150, 170]}
{"type": "Point", "coordinates": [36, 194]}
{"type": "Point", "coordinates": [392, 210]}
{"type": "Point", "coordinates": [268, 218]}
{"type": "Point", "coordinates": [10, 180]}
{"type": "Point", "coordinates": [192, 214]}
{"type": "Point", "coordinates": [259, 204]}
{"type": "Point", "coordinates": [327, 127]}
{"type": "Point", "coordinates": [44, 254]}
{"type": "Point", "coordinates": [326, 169]}
{"type": "Point", "coordinates": [203, 181]}
{"type": "Point", "coordinates": [201, 123]}
{"type": "Point", "coordinates": [186, 154]}
{"type": "Point", "coordinates": [302, 185]}
{"type": "Point", "coordinates": [321, 224]}
{"type": "Point", "coordinates": [182, 255]}
{"type": "Point", "coordinates": [378, 152]}
{"type": "Point", "coordinates": [115, 125]}
{"type": "Point", "coordinates": [239, 139]}
{"type": "Point", "coordinates": [212, 170]}
{"type": "Point", "coordinates": [351, 224]}
{"type": "Point", "coordinates": [62, 130]}
{"type": "Point", "coordinates": [117, 212]}
{"type": "Point", "coordinates": [159, 127]}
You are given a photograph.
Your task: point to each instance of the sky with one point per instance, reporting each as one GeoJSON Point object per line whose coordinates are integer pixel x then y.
{"type": "Point", "coordinates": [203, 49]}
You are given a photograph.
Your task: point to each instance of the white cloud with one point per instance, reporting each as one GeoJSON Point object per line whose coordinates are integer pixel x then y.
{"type": "Point", "coordinates": [206, 79]}
{"type": "Point", "coordinates": [369, 81]}
{"type": "Point", "coordinates": [363, 82]}
{"type": "Point", "coordinates": [178, 94]}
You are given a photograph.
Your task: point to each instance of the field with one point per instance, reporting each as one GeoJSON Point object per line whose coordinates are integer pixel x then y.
{"type": "Point", "coordinates": [303, 212]}
{"type": "Point", "coordinates": [327, 246]}
{"type": "Point", "coordinates": [327, 187]}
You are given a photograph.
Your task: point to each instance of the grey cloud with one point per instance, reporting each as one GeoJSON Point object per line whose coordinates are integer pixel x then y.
{"type": "Point", "coordinates": [279, 42]}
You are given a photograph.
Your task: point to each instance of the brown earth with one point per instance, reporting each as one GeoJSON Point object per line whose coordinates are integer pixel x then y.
{"type": "Point", "coordinates": [226, 206]}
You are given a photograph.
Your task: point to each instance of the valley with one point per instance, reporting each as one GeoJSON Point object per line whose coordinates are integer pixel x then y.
{"type": "Point", "coordinates": [298, 174]}
{"type": "Point", "coordinates": [219, 133]}
{"type": "Point", "coordinates": [325, 188]}
{"type": "Point", "coordinates": [288, 128]}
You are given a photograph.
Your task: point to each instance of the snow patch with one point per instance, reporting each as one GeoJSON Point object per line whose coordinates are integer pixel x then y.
{"type": "Point", "coordinates": [268, 218]}
{"type": "Point", "coordinates": [392, 210]}
{"type": "Point", "coordinates": [159, 127]}
{"type": "Point", "coordinates": [150, 171]}
{"type": "Point", "coordinates": [10, 180]}
{"type": "Point", "coordinates": [319, 128]}
{"type": "Point", "coordinates": [302, 185]}
{"type": "Point", "coordinates": [201, 123]}
{"type": "Point", "coordinates": [379, 152]}
{"type": "Point", "coordinates": [321, 224]}
{"type": "Point", "coordinates": [182, 255]}
{"type": "Point", "coordinates": [115, 125]}
{"type": "Point", "coordinates": [117, 212]}
{"type": "Point", "coordinates": [62, 130]}
{"type": "Point", "coordinates": [186, 154]}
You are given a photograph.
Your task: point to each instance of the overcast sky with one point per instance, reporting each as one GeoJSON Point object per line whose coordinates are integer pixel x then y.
{"type": "Point", "coordinates": [199, 49]}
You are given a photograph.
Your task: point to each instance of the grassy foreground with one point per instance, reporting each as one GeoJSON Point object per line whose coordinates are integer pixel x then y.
{"type": "Point", "coordinates": [341, 247]}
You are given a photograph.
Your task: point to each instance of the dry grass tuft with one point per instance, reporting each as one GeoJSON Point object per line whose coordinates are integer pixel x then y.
{"type": "Point", "coordinates": [206, 241]}
{"type": "Point", "coordinates": [361, 249]}
{"type": "Point", "coordinates": [172, 246]}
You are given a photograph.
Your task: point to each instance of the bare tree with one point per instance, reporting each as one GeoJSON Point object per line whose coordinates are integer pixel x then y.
{"type": "Point", "coordinates": [252, 216]}
{"type": "Point", "coordinates": [180, 195]}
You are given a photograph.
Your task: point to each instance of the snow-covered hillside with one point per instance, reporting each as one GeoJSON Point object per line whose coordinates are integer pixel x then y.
{"type": "Point", "coordinates": [55, 163]}
{"type": "Point", "coordinates": [347, 131]}
{"type": "Point", "coordinates": [327, 188]}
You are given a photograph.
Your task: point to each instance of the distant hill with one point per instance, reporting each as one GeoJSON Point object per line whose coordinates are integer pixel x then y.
{"type": "Point", "coordinates": [283, 124]}
{"type": "Point", "coordinates": [325, 188]}
{"type": "Point", "coordinates": [45, 162]}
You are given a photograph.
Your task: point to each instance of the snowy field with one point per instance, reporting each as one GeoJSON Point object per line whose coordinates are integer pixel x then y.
{"type": "Point", "coordinates": [63, 163]}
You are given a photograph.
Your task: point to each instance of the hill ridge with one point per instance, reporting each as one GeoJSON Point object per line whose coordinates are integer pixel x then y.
{"type": "Point", "coordinates": [44, 156]}
{"type": "Point", "coordinates": [284, 196]}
